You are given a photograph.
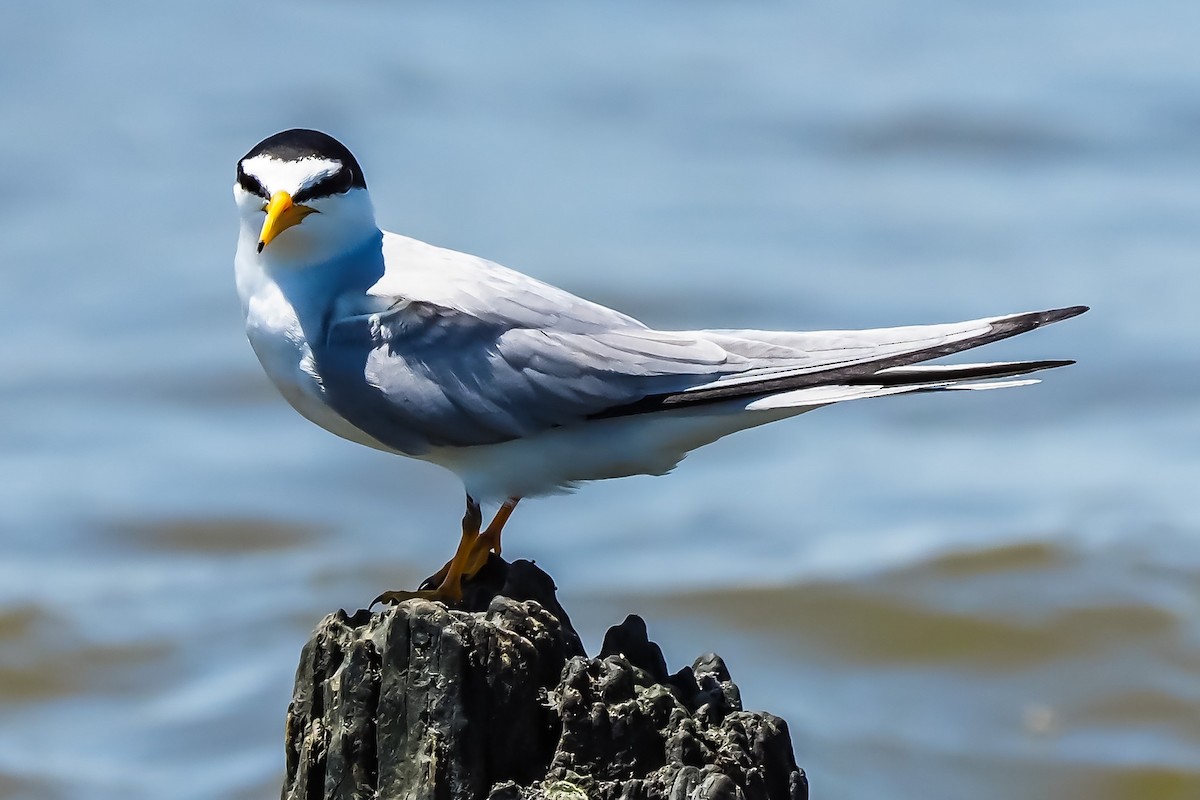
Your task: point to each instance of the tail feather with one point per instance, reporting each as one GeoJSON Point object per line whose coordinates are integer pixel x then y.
{"type": "Point", "coordinates": [896, 376]}
{"type": "Point", "coordinates": [867, 363]}
{"type": "Point", "coordinates": [804, 399]}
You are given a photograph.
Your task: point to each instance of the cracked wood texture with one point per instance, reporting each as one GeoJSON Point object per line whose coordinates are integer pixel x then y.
{"type": "Point", "coordinates": [499, 701]}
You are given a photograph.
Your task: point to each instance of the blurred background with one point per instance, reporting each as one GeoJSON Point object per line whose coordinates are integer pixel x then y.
{"type": "Point", "coordinates": [985, 596]}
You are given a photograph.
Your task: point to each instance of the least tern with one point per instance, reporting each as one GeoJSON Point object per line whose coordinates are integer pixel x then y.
{"type": "Point", "coordinates": [520, 388]}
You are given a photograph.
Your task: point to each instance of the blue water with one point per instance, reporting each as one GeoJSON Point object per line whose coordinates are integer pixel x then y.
{"type": "Point", "coordinates": [171, 530]}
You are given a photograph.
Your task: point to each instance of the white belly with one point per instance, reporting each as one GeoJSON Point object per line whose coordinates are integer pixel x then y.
{"type": "Point", "coordinates": [558, 459]}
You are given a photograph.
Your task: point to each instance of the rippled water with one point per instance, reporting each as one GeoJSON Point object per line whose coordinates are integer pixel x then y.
{"type": "Point", "coordinates": [984, 596]}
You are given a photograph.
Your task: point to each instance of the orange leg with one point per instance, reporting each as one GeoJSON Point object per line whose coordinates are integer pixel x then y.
{"type": "Point", "coordinates": [489, 540]}
{"type": "Point", "coordinates": [448, 586]}
{"type": "Point", "coordinates": [470, 557]}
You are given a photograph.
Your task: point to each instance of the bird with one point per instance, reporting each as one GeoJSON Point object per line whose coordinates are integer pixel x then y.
{"type": "Point", "coordinates": [520, 388]}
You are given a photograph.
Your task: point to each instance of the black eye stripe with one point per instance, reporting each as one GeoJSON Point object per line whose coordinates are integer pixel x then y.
{"type": "Point", "coordinates": [345, 178]}
{"type": "Point", "coordinates": [250, 183]}
{"type": "Point", "coordinates": [339, 182]}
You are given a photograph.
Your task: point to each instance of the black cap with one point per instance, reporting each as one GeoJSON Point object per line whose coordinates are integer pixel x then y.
{"type": "Point", "coordinates": [300, 143]}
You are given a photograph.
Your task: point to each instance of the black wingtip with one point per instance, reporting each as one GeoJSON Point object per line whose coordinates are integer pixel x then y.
{"type": "Point", "coordinates": [1038, 366]}
{"type": "Point", "coordinates": [1059, 314]}
{"type": "Point", "coordinates": [1004, 327]}
{"type": "Point", "coordinates": [1062, 362]}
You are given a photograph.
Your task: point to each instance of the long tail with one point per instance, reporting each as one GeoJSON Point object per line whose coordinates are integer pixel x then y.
{"type": "Point", "coordinates": [844, 365]}
{"type": "Point", "coordinates": [906, 380]}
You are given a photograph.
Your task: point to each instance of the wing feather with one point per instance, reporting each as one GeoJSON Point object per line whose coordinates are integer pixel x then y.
{"type": "Point", "coordinates": [467, 352]}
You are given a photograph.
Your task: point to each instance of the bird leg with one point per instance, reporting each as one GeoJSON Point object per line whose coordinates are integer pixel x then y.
{"type": "Point", "coordinates": [472, 554]}
{"type": "Point", "coordinates": [491, 535]}
{"type": "Point", "coordinates": [486, 542]}
{"type": "Point", "coordinates": [448, 586]}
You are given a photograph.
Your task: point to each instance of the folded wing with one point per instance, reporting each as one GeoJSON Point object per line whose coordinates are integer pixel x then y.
{"type": "Point", "coordinates": [423, 374]}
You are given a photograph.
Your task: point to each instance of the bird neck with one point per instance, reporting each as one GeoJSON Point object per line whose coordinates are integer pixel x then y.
{"type": "Point", "coordinates": [310, 288]}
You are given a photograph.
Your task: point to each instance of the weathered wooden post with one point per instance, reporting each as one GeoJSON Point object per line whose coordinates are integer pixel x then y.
{"type": "Point", "coordinates": [499, 702]}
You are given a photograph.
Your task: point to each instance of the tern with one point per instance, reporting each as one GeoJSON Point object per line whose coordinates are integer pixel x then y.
{"type": "Point", "coordinates": [520, 388]}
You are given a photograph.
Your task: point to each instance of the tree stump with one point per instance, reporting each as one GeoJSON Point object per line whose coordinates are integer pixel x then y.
{"type": "Point", "coordinates": [498, 701]}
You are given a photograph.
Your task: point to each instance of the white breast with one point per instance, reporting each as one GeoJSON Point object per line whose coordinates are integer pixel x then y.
{"type": "Point", "coordinates": [275, 333]}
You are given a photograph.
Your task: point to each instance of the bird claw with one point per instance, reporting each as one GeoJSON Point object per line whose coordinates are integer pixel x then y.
{"type": "Point", "coordinates": [395, 598]}
{"type": "Point", "coordinates": [445, 586]}
{"type": "Point", "coordinates": [435, 580]}
{"type": "Point", "coordinates": [442, 594]}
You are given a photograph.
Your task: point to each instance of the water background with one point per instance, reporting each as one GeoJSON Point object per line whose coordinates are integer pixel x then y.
{"type": "Point", "coordinates": [985, 596]}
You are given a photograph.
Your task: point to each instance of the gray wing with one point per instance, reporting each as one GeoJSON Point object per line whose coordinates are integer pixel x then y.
{"type": "Point", "coordinates": [421, 374]}
{"type": "Point", "coordinates": [424, 375]}
{"type": "Point", "coordinates": [461, 351]}
{"type": "Point", "coordinates": [491, 292]}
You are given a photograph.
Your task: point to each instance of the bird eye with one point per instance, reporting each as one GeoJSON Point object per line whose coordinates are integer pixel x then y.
{"type": "Point", "coordinates": [250, 183]}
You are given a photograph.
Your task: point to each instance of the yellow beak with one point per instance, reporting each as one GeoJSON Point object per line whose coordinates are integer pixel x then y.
{"type": "Point", "coordinates": [282, 214]}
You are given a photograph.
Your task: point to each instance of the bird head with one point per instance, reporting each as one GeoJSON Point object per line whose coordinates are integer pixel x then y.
{"type": "Point", "coordinates": [302, 198]}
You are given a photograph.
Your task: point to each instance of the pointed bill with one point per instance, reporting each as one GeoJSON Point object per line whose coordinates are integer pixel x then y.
{"type": "Point", "coordinates": [282, 214]}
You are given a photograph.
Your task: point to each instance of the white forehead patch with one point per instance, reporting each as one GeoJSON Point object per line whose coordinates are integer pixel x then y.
{"type": "Point", "coordinates": [289, 176]}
